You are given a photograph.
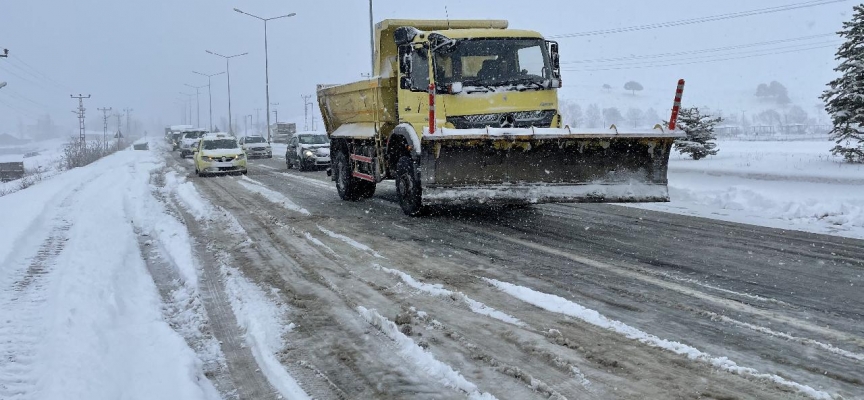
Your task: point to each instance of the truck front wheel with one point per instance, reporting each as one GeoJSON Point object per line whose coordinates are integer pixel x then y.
{"type": "Point", "coordinates": [408, 186]}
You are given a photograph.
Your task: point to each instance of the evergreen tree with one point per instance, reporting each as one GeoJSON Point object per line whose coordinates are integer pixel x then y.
{"type": "Point", "coordinates": [700, 133]}
{"type": "Point", "coordinates": [844, 101]}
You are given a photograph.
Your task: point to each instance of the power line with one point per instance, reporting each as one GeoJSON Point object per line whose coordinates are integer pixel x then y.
{"type": "Point", "coordinates": [701, 62]}
{"type": "Point", "coordinates": [700, 20]}
{"type": "Point", "coordinates": [679, 59]}
{"type": "Point", "coordinates": [19, 110]}
{"type": "Point", "coordinates": [45, 76]}
{"type": "Point", "coordinates": [711, 50]}
{"type": "Point", "coordinates": [20, 96]}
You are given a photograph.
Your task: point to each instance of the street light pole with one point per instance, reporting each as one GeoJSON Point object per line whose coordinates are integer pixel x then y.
{"type": "Point", "coordinates": [190, 106]}
{"type": "Point", "coordinates": [266, 62]}
{"type": "Point", "coordinates": [197, 104]}
{"type": "Point", "coordinates": [209, 94]}
{"type": "Point", "coordinates": [228, 73]}
{"type": "Point", "coordinates": [371, 39]}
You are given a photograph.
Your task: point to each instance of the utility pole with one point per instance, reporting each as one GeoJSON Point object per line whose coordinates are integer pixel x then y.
{"type": "Point", "coordinates": [128, 111]}
{"type": "Point", "coordinates": [119, 133]}
{"type": "Point", "coordinates": [105, 127]}
{"type": "Point", "coordinates": [306, 104]}
{"type": "Point", "coordinates": [81, 128]}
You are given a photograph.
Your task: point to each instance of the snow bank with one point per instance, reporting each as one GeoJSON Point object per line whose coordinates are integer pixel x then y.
{"type": "Point", "coordinates": [563, 306]}
{"type": "Point", "coordinates": [93, 314]}
{"type": "Point", "coordinates": [188, 196]}
{"type": "Point", "coordinates": [786, 185]}
{"type": "Point", "coordinates": [264, 323]}
{"type": "Point", "coordinates": [421, 359]}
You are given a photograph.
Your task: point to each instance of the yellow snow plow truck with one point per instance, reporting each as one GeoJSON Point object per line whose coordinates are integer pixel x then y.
{"type": "Point", "coordinates": [466, 111]}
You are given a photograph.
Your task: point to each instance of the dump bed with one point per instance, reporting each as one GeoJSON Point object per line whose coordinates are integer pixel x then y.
{"type": "Point", "coordinates": [361, 105]}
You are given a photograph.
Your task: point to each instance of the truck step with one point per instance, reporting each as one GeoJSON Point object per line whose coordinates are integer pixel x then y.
{"type": "Point", "coordinates": [363, 159]}
{"type": "Point", "coordinates": [365, 177]}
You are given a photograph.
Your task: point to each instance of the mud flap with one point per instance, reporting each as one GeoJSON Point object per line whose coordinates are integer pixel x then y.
{"type": "Point", "coordinates": [541, 170]}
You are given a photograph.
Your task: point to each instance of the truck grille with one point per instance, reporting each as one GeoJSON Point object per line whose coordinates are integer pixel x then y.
{"type": "Point", "coordinates": [518, 119]}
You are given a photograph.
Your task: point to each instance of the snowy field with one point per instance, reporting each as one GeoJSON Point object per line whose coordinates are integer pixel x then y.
{"type": "Point", "coordinates": [788, 185]}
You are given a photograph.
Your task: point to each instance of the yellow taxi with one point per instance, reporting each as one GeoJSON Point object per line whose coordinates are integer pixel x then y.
{"type": "Point", "coordinates": [219, 153]}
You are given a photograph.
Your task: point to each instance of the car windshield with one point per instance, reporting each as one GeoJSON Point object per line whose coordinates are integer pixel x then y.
{"type": "Point", "coordinates": [193, 135]}
{"type": "Point", "coordinates": [313, 139]}
{"type": "Point", "coordinates": [492, 62]}
{"type": "Point", "coordinates": [219, 144]}
{"type": "Point", "coordinates": [255, 139]}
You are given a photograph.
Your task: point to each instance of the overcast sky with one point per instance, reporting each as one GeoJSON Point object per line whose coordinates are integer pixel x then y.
{"type": "Point", "coordinates": [139, 54]}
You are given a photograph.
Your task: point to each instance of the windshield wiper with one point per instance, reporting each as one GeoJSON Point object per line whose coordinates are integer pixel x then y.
{"type": "Point", "coordinates": [524, 81]}
{"type": "Point", "coordinates": [475, 84]}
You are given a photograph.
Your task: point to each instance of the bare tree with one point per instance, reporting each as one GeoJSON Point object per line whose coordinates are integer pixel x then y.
{"type": "Point", "coordinates": [635, 116]}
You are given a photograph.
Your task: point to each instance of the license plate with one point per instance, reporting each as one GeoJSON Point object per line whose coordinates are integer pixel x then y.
{"type": "Point", "coordinates": [220, 164]}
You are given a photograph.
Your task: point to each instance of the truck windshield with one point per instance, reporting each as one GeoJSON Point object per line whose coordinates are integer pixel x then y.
{"type": "Point", "coordinates": [493, 62]}
{"type": "Point", "coordinates": [313, 139]}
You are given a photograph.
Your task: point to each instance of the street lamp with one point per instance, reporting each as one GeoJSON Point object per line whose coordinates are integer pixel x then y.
{"type": "Point", "coordinates": [209, 94]}
{"type": "Point", "coordinates": [228, 72]}
{"type": "Point", "coordinates": [197, 104]}
{"type": "Point", "coordinates": [190, 106]}
{"type": "Point", "coordinates": [266, 61]}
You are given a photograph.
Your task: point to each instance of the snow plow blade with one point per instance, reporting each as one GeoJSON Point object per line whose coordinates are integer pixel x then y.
{"type": "Point", "coordinates": [531, 166]}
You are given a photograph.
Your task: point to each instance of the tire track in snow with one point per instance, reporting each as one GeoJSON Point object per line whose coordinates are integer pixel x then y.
{"type": "Point", "coordinates": [566, 307]}
{"type": "Point", "coordinates": [21, 331]}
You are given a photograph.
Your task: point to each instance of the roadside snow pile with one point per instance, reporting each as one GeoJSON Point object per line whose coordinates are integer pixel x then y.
{"type": "Point", "coordinates": [81, 317]}
{"type": "Point", "coordinates": [563, 306]}
{"type": "Point", "coordinates": [265, 327]}
{"type": "Point", "coordinates": [421, 359]}
{"type": "Point", "coordinates": [786, 185]}
{"type": "Point", "coordinates": [188, 196]}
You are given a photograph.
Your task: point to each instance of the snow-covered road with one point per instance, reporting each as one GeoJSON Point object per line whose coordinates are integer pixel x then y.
{"type": "Point", "coordinates": [132, 278]}
{"type": "Point", "coordinates": [80, 317]}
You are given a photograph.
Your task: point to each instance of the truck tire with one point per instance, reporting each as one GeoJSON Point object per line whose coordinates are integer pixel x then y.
{"type": "Point", "coordinates": [408, 187]}
{"type": "Point", "coordinates": [348, 186]}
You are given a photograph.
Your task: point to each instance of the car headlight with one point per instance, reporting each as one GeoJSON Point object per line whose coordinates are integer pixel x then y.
{"type": "Point", "coordinates": [309, 153]}
{"type": "Point", "coordinates": [241, 156]}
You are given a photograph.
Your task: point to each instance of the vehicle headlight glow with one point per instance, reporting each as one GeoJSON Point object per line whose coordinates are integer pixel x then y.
{"type": "Point", "coordinates": [309, 153]}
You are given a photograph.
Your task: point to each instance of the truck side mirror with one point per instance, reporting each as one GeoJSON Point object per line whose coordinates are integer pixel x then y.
{"type": "Point", "coordinates": [405, 66]}
{"type": "Point", "coordinates": [553, 53]}
{"type": "Point", "coordinates": [405, 82]}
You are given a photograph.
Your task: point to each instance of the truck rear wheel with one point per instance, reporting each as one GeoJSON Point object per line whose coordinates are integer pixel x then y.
{"type": "Point", "coordinates": [347, 185]}
{"type": "Point", "coordinates": [408, 186]}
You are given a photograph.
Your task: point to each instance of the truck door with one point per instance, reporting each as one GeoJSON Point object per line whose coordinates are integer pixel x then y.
{"type": "Point", "coordinates": [414, 86]}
